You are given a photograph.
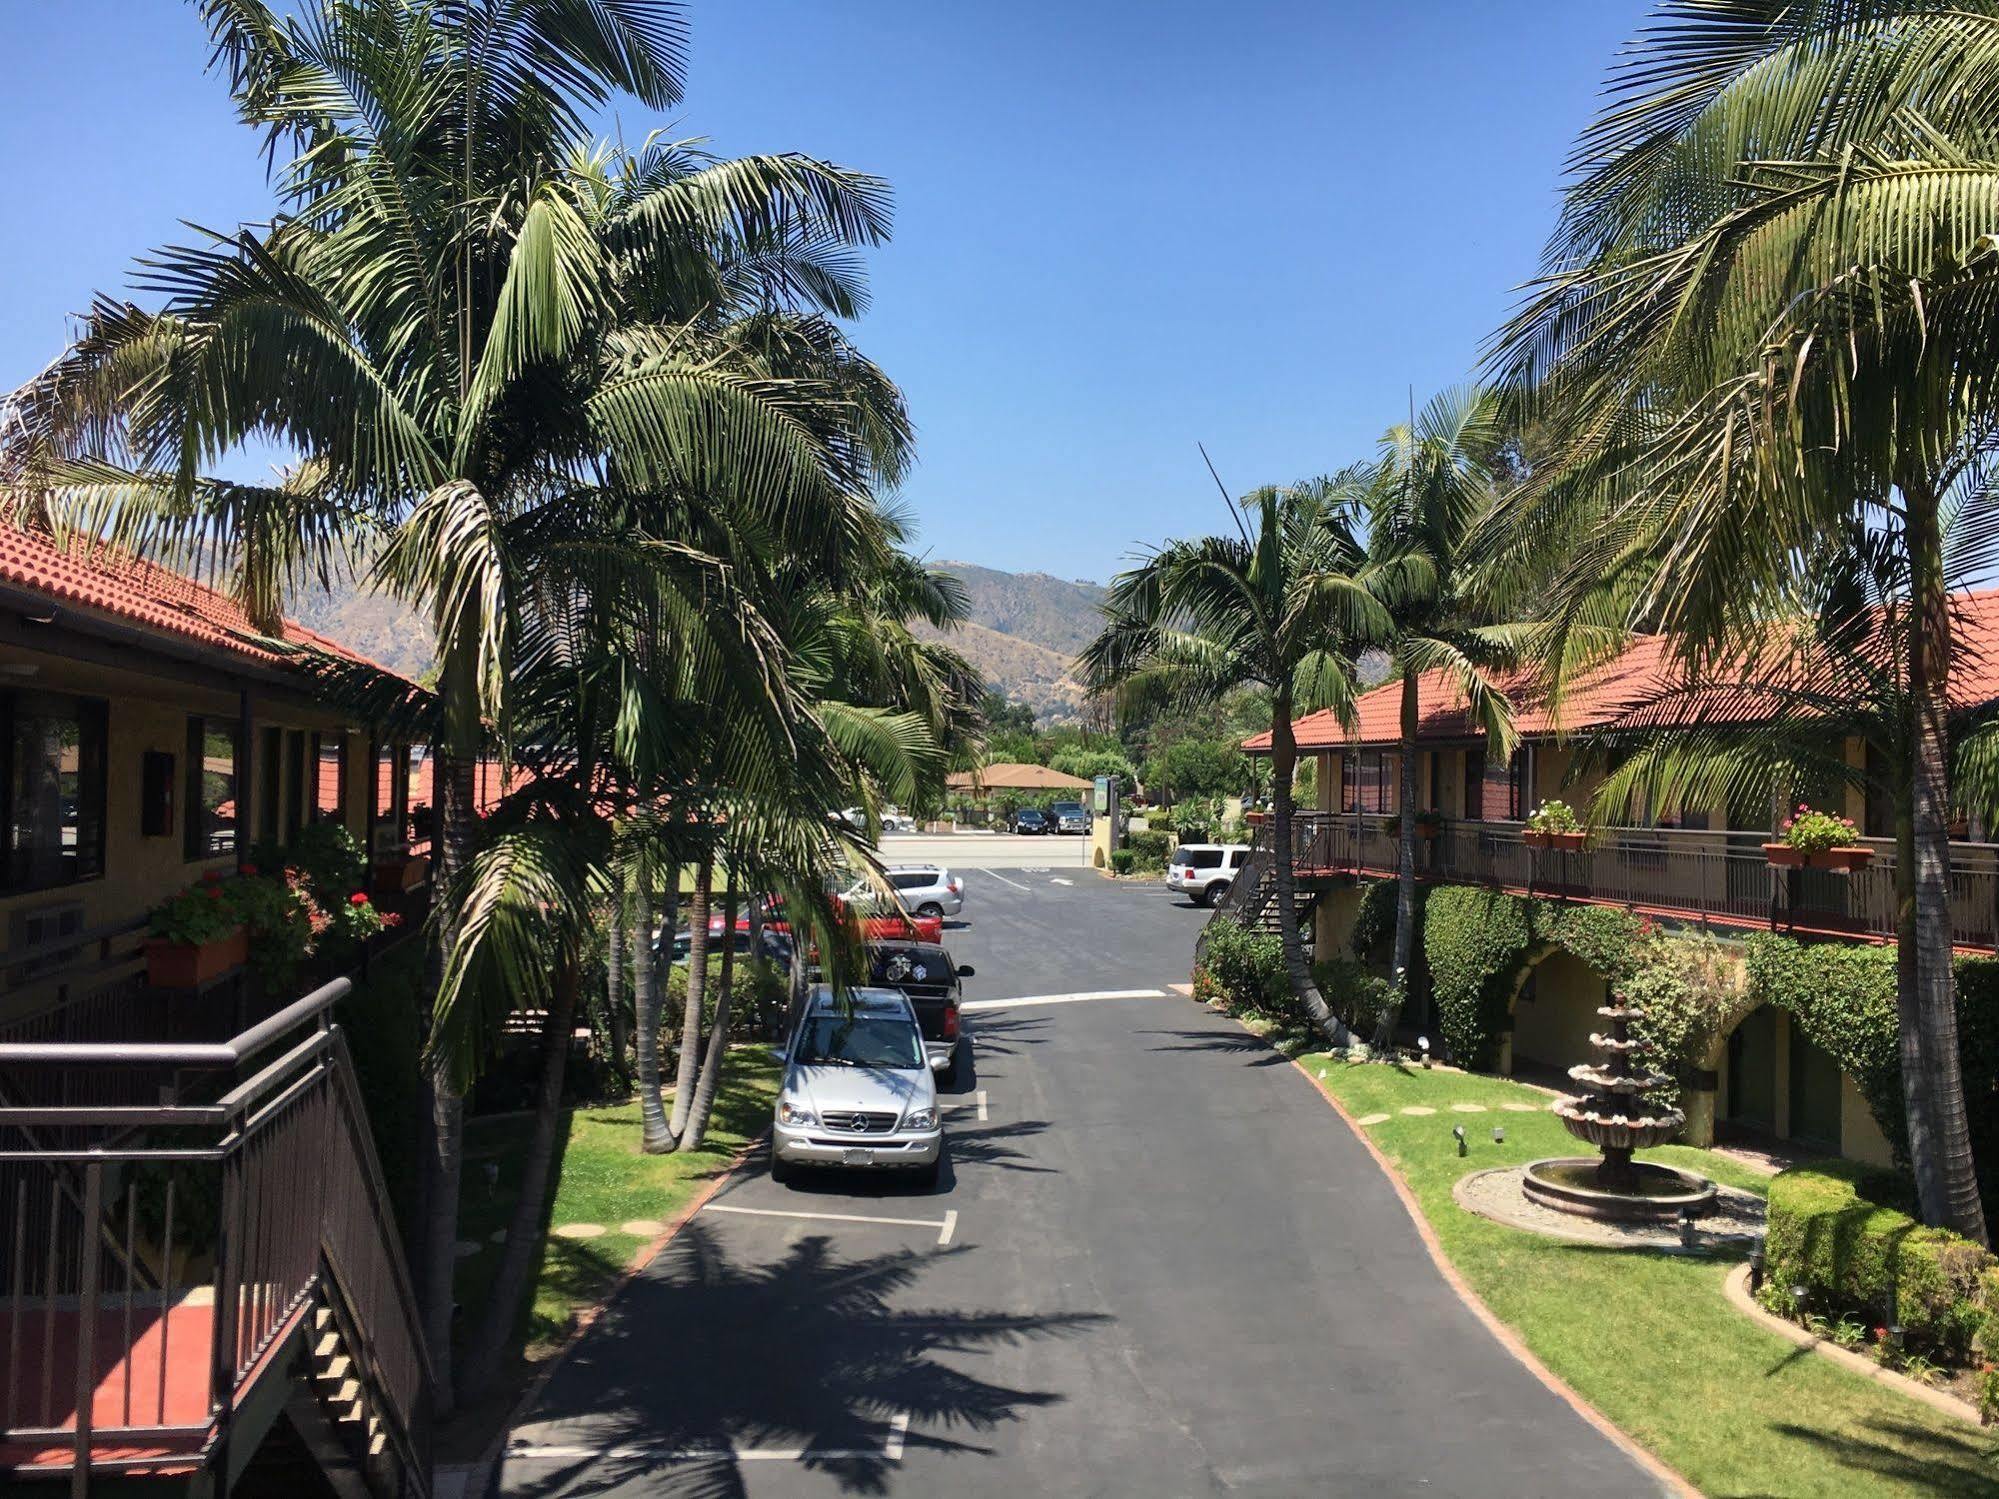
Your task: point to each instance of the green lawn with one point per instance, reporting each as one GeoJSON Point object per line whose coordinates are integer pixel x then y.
{"type": "Point", "coordinates": [603, 1179]}
{"type": "Point", "coordinates": [1647, 1338]}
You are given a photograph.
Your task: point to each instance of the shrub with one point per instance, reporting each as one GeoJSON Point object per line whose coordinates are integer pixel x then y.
{"type": "Point", "coordinates": [1842, 1230]}
{"type": "Point", "coordinates": [1247, 969]}
{"type": "Point", "coordinates": [1374, 921]}
{"type": "Point", "coordinates": [1149, 849]}
{"type": "Point", "coordinates": [1357, 994]}
{"type": "Point", "coordinates": [1554, 817]}
{"type": "Point", "coordinates": [1123, 860]}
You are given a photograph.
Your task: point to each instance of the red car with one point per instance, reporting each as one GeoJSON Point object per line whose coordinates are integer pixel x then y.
{"type": "Point", "coordinates": [883, 918]}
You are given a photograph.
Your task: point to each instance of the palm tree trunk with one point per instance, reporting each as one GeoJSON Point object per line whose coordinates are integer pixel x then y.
{"type": "Point", "coordinates": [647, 1002]}
{"type": "Point", "coordinates": [1283, 762]}
{"type": "Point", "coordinates": [718, 1038]}
{"type": "Point", "coordinates": [760, 966]}
{"type": "Point", "coordinates": [444, 1162]}
{"type": "Point", "coordinates": [1405, 870]}
{"type": "Point", "coordinates": [697, 992]}
{"type": "Point", "coordinates": [1946, 1180]}
{"type": "Point", "coordinates": [614, 979]}
{"type": "Point", "coordinates": [508, 1294]}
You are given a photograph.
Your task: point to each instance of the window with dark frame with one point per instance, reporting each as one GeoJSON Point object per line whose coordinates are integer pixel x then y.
{"type": "Point", "coordinates": [56, 756]}
{"type": "Point", "coordinates": [213, 784]}
{"type": "Point", "coordinates": [294, 782]}
{"type": "Point", "coordinates": [329, 776]}
{"type": "Point", "coordinates": [1475, 783]}
{"type": "Point", "coordinates": [270, 746]}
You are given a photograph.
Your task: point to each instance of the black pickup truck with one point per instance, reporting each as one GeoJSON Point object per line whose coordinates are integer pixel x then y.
{"type": "Point", "coordinates": [929, 979]}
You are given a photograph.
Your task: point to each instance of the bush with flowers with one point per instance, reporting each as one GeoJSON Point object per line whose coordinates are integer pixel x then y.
{"type": "Point", "coordinates": [1554, 817]}
{"type": "Point", "coordinates": [202, 913]}
{"type": "Point", "coordinates": [1813, 832]}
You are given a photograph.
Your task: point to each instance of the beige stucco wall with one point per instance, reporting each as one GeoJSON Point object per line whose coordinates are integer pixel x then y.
{"type": "Point", "coordinates": [149, 713]}
{"type": "Point", "coordinates": [1332, 923]}
{"type": "Point", "coordinates": [1860, 1138]}
{"type": "Point", "coordinates": [1552, 1027]}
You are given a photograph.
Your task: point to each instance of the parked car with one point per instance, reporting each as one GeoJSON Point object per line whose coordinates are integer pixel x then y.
{"type": "Point", "coordinates": [1069, 817]}
{"type": "Point", "coordinates": [857, 1089]}
{"type": "Point", "coordinates": [925, 975]}
{"type": "Point", "coordinates": [1027, 820]}
{"type": "Point", "coordinates": [883, 915]}
{"type": "Point", "coordinates": [928, 889]}
{"type": "Point", "coordinates": [682, 939]}
{"type": "Point", "coordinates": [1205, 870]}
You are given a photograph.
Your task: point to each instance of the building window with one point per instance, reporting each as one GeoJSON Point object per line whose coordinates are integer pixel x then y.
{"type": "Point", "coordinates": [270, 744]}
{"type": "Point", "coordinates": [392, 786]}
{"type": "Point", "coordinates": [212, 788]}
{"type": "Point", "coordinates": [55, 748]}
{"type": "Point", "coordinates": [1475, 783]}
{"type": "Point", "coordinates": [294, 782]}
{"type": "Point", "coordinates": [329, 789]}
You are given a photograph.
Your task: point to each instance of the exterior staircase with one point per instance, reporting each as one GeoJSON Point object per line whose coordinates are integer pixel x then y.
{"type": "Point", "coordinates": [1251, 900]}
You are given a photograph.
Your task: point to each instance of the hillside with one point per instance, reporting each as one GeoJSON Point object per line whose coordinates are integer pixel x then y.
{"type": "Point", "coordinates": [1023, 634]}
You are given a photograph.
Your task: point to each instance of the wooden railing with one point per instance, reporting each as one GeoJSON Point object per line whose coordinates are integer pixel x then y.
{"type": "Point", "coordinates": [157, 1254]}
{"type": "Point", "coordinates": [1718, 877]}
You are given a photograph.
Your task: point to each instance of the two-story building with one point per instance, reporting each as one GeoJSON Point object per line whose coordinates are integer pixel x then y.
{"type": "Point", "coordinates": [1696, 866]}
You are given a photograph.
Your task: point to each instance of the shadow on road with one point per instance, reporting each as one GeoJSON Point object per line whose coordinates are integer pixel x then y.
{"type": "Point", "coordinates": [1236, 1043]}
{"type": "Point", "coordinates": [706, 1352]}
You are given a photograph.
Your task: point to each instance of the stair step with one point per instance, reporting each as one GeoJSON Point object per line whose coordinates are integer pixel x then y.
{"type": "Point", "coordinates": [336, 1370]}
{"type": "Point", "coordinates": [345, 1393]}
{"type": "Point", "coordinates": [327, 1346]}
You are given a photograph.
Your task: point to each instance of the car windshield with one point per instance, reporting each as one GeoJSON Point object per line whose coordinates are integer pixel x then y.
{"type": "Point", "coordinates": [859, 1041]}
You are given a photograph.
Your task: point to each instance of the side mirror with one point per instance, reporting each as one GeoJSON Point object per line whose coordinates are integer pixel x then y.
{"type": "Point", "coordinates": [779, 1053]}
{"type": "Point", "coordinates": [965, 970]}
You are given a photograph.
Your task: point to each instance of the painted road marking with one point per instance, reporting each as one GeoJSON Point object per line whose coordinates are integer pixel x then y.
{"type": "Point", "coordinates": [948, 1224]}
{"type": "Point", "coordinates": [891, 1450]}
{"type": "Point", "coordinates": [1062, 999]}
{"type": "Point", "coordinates": [1058, 880]}
{"type": "Point", "coordinates": [977, 1101]}
{"type": "Point", "coordinates": [1003, 879]}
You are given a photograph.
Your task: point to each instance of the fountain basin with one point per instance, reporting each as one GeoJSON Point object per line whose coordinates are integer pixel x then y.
{"type": "Point", "coordinates": [1582, 1117]}
{"type": "Point", "coordinates": [1653, 1193]}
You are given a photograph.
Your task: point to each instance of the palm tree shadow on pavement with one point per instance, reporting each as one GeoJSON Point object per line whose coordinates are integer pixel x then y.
{"type": "Point", "coordinates": [707, 1352]}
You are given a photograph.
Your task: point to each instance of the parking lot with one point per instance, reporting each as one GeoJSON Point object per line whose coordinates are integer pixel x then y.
{"type": "Point", "coordinates": [1153, 1265]}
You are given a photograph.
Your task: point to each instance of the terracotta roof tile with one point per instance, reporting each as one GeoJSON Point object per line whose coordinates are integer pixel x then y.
{"type": "Point", "coordinates": [1609, 691]}
{"type": "Point", "coordinates": [105, 581]}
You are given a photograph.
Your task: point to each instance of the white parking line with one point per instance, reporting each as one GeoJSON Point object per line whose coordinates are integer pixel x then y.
{"type": "Point", "coordinates": [948, 1223]}
{"type": "Point", "coordinates": [891, 1450]}
{"type": "Point", "coordinates": [977, 1101]}
{"type": "Point", "coordinates": [1003, 879]}
{"type": "Point", "coordinates": [1061, 999]}
{"type": "Point", "coordinates": [1058, 880]}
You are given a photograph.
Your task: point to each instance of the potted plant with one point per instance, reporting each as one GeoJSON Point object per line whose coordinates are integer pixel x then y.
{"type": "Point", "coordinates": [1429, 823]}
{"type": "Point", "coordinates": [196, 936]}
{"type": "Point", "coordinates": [1818, 840]}
{"type": "Point", "coordinates": [1554, 824]}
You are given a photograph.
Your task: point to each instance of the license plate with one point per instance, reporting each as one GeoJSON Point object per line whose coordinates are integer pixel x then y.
{"type": "Point", "coordinates": [857, 1158]}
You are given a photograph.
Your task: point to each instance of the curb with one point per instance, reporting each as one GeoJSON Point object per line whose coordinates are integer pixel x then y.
{"type": "Point", "coordinates": [1719, 1247]}
{"type": "Point", "coordinates": [479, 1475]}
{"type": "Point", "coordinates": [1669, 1481]}
{"type": "Point", "coordinates": [1736, 1288]}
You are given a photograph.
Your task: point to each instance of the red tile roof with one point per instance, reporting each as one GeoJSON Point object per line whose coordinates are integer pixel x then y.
{"type": "Point", "coordinates": [1607, 692]}
{"type": "Point", "coordinates": [101, 580]}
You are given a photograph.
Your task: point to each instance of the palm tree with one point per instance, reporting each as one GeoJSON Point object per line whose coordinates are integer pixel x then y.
{"type": "Point", "coordinates": [1278, 606]}
{"type": "Point", "coordinates": [472, 335]}
{"type": "Point", "coordinates": [1435, 481]}
{"type": "Point", "coordinates": [1766, 319]}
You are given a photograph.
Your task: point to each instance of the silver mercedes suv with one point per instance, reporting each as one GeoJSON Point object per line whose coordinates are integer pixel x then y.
{"type": "Point", "coordinates": [857, 1089]}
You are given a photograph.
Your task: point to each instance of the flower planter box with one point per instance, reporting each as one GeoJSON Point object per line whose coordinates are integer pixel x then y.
{"type": "Point", "coordinates": [401, 874]}
{"type": "Point", "coordinates": [1428, 831]}
{"type": "Point", "coordinates": [1838, 860]}
{"type": "Point", "coordinates": [1568, 842]}
{"type": "Point", "coordinates": [189, 965]}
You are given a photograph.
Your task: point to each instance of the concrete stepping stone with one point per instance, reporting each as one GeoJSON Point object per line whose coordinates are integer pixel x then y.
{"type": "Point", "coordinates": [644, 1228]}
{"type": "Point", "coordinates": [580, 1231]}
{"type": "Point", "coordinates": [1525, 1108]}
{"type": "Point", "coordinates": [1467, 1108]}
{"type": "Point", "coordinates": [1374, 1118]}
{"type": "Point", "coordinates": [1417, 1110]}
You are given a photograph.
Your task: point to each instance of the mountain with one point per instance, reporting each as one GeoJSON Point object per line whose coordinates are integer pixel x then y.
{"type": "Point", "coordinates": [1023, 634]}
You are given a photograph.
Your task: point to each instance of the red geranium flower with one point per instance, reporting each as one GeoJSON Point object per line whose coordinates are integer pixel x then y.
{"type": "Point", "coordinates": [249, 869]}
{"type": "Point", "coordinates": [358, 898]}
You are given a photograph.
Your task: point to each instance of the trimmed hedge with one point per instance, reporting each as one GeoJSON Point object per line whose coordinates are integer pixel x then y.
{"type": "Point", "coordinates": [1842, 1230]}
{"type": "Point", "coordinates": [1244, 968]}
{"type": "Point", "coordinates": [1149, 849]}
{"type": "Point", "coordinates": [1373, 933]}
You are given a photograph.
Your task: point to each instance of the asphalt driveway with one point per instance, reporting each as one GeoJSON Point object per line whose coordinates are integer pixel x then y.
{"type": "Point", "coordinates": [1156, 1265]}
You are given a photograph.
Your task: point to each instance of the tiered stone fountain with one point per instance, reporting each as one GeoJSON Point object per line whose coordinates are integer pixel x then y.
{"type": "Point", "coordinates": [1613, 1116]}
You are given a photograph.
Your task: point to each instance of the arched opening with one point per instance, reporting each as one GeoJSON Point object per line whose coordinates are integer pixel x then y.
{"type": "Point", "coordinates": [1773, 1083]}
{"type": "Point", "coordinates": [1554, 1012]}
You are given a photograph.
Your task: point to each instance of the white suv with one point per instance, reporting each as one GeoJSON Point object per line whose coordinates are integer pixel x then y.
{"type": "Point", "coordinates": [1205, 870]}
{"type": "Point", "coordinates": [928, 889]}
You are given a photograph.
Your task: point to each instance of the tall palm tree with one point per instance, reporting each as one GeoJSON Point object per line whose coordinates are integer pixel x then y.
{"type": "Point", "coordinates": [1278, 606]}
{"type": "Point", "coordinates": [1435, 481]}
{"type": "Point", "coordinates": [1766, 318]}
{"type": "Point", "coordinates": [472, 339]}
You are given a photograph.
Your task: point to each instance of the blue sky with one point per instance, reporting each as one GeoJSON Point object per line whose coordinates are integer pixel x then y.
{"type": "Point", "coordinates": [1120, 227]}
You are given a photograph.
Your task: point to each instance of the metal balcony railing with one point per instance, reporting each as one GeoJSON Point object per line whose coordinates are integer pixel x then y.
{"type": "Point", "coordinates": [158, 1255]}
{"type": "Point", "coordinates": [1720, 877]}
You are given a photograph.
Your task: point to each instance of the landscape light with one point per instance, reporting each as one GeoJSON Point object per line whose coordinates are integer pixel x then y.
{"type": "Point", "coordinates": [1499, 1134]}
{"type": "Point", "coordinates": [1895, 1335]}
{"type": "Point", "coordinates": [1687, 1239]}
{"type": "Point", "coordinates": [1756, 1266]}
{"type": "Point", "coordinates": [1798, 1294]}
{"type": "Point", "coordinates": [1423, 1045]}
{"type": "Point", "coordinates": [1458, 1132]}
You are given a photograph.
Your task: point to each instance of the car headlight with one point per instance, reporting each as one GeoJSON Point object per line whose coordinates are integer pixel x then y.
{"type": "Point", "coordinates": [920, 1119]}
{"type": "Point", "coordinates": [790, 1113]}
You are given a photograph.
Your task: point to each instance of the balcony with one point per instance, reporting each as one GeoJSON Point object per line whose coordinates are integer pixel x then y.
{"type": "Point", "coordinates": [1714, 878]}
